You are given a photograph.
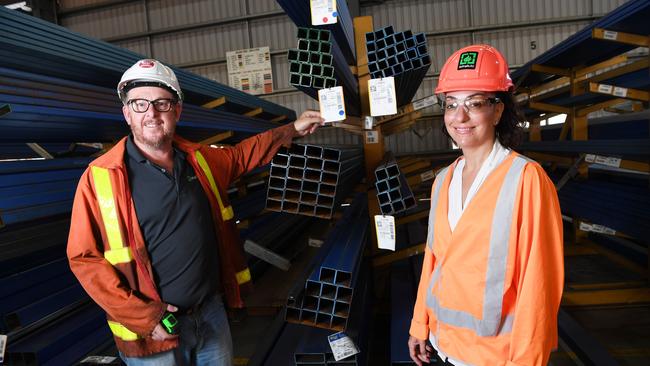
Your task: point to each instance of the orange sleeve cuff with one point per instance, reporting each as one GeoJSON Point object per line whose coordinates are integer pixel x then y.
{"type": "Point", "coordinates": [419, 330]}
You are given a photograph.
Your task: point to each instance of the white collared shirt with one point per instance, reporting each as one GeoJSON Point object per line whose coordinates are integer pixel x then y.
{"type": "Point", "coordinates": [456, 206]}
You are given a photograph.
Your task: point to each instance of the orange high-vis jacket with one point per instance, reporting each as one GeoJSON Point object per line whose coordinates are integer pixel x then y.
{"type": "Point", "coordinates": [490, 290]}
{"type": "Point", "coordinates": [106, 247]}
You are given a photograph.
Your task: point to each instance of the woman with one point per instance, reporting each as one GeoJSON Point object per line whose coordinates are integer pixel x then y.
{"type": "Point", "coordinates": [493, 272]}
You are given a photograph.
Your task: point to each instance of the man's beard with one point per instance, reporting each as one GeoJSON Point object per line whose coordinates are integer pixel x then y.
{"type": "Point", "coordinates": [155, 142]}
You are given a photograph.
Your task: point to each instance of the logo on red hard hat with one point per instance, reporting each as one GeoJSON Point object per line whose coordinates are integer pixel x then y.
{"type": "Point", "coordinates": [146, 64]}
{"type": "Point", "coordinates": [467, 60]}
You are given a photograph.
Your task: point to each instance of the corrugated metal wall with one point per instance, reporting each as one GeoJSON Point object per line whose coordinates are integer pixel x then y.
{"type": "Point", "coordinates": [521, 29]}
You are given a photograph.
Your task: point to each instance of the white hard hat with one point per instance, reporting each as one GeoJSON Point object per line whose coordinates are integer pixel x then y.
{"type": "Point", "coordinates": [149, 72]}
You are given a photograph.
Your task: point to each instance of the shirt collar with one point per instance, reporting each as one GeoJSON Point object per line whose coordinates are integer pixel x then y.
{"type": "Point", "coordinates": [134, 153]}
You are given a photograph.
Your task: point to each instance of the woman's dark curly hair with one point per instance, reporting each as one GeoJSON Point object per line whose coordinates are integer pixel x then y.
{"type": "Point", "coordinates": [509, 131]}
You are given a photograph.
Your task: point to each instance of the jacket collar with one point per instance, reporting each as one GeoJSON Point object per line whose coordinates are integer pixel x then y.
{"type": "Point", "coordinates": [114, 158]}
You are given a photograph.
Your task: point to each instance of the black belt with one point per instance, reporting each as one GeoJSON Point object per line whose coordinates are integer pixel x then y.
{"type": "Point", "coordinates": [445, 361]}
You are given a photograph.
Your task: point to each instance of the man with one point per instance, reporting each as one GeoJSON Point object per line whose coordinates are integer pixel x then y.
{"type": "Point", "coordinates": [152, 231]}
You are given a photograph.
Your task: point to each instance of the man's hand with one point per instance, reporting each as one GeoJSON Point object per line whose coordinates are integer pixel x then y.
{"type": "Point", "coordinates": [159, 333]}
{"type": "Point", "coordinates": [308, 122]}
{"type": "Point", "coordinates": [419, 351]}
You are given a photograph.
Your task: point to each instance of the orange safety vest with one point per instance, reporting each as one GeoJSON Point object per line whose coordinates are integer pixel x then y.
{"type": "Point", "coordinates": [490, 290]}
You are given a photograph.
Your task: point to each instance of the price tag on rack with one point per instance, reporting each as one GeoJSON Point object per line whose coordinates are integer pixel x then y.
{"type": "Point", "coordinates": [323, 12]}
{"type": "Point", "coordinates": [385, 227]}
{"type": "Point", "coordinates": [332, 104]}
{"type": "Point", "coordinates": [382, 96]}
{"type": "Point", "coordinates": [342, 346]}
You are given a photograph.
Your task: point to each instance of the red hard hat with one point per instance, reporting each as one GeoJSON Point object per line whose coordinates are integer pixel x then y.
{"type": "Point", "coordinates": [478, 67]}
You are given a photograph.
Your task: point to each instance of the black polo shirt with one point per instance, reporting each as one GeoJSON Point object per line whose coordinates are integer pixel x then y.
{"type": "Point", "coordinates": [176, 221]}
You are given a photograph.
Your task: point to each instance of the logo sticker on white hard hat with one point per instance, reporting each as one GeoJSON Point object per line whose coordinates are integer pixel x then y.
{"type": "Point", "coordinates": [146, 64]}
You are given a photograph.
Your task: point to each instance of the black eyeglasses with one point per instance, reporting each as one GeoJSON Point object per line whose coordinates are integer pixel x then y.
{"type": "Point", "coordinates": [471, 104]}
{"type": "Point", "coordinates": [160, 105]}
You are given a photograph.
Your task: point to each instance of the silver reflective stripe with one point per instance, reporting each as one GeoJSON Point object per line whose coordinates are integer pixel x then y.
{"type": "Point", "coordinates": [434, 203]}
{"type": "Point", "coordinates": [490, 323]}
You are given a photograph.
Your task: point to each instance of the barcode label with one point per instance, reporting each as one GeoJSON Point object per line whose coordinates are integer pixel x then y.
{"type": "Point", "coordinates": [342, 346]}
{"type": "Point", "coordinates": [385, 226]}
{"type": "Point", "coordinates": [610, 35]}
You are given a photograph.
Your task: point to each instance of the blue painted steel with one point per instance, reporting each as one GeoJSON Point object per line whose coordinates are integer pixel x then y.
{"type": "Point", "coordinates": [624, 207]}
{"type": "Point", "coordinates": [582, 49]}
{"type": "Point", "coordinates": [622, 126]}
{"type": "Point", "coordinates": [625, 148]}
{"type": "Point", "coordinates": [65, 333]}
{"type": "Point", "coordinates": [29, 43]}
{"type": "Point", "coordinates": [45, 306]}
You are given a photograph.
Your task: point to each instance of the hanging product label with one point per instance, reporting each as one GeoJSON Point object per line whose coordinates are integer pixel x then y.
{"type": "Point", "coordinates": [382, 96]}
{"type": "Point", "coordinates": [323, 12]}
{"type": "Point", "coordinates": [368, 122]}
{"type": "Point", "coordinates": [3, 345]}
{"type": "Point", "coordinates": [604, 160]}
{"type": "Point", "coordinates": [332, 104]}
{"type": "Point", "coordinates": [595, 228]}
{"type": "Point", "coordinates": [424, 102]}
{"type": "Point", "coordinates": [428, 175]}
{"type": "Point", "coordinates": [342, 346]}
{"type": "Point", "coordinates": [385, 227]}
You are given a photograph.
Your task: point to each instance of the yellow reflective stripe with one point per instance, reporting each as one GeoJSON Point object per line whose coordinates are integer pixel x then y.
{"type": "Point", "coordinates": [104, 191]}
{"type": "Point", "coordinates": [121, 255]}
{"type": "Point", "coordinates": [226, 212]}
{"type": "Point", "coordinates": [122, 332]}
{"type": "Point", "coordinates": [243, 276]}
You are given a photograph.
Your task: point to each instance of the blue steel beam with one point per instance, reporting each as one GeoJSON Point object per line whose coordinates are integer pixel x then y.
{"type": "Point", "coordinates": [29, 43]}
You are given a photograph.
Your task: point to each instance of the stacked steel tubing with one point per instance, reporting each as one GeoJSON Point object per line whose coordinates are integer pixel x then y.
{"type": "Point", "coordinates": [35, 189]}
{"type": "Point", "coordinates": [311, 67]}
{"type": "Point", "coordinates": [342, 50]}
{"type": "Point", "coordinates": [310, 179]}
{"type": "Point", "coordinates": [328, 292]}
{"type": "Point", "coordinates": [621, 203]}
{"type": "Point", "coordinates": [402, 55]}
{"type": "Point", "coordinates": [35, 293]}
{"type": "Point", "coordinates": [64, 340]}
{"type": "Point", "coordinates": [274, 232]}
{"type": "Point", "coordinates": [29, 43]}
{"type": "Point", "coordinates": [313, 348]}
{"type": "Point", "coordinates": [27, 245]}
{"type": "Point", "coordinates": [51, 109]}
{"type": "Point", "coordinates": [342, 30]}
{"type": "Point", "coordinates": [393, 193]}
{"type": "Point", "coordinates": [619, 126]}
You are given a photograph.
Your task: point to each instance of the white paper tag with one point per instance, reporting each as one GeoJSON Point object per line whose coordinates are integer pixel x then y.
{"type": "Point", "coordinates": [595, 228]}
{"type": "Point", "coordinates": [382, 96]}
{"type": "Point", "coordinates": [428, 175]}
{"type": "Point", "coordinates": [604, 160]}
{"type": "Point", "coordinates": [372, 137]}
{"type": "Point", "coordinates": [332, 104]}
{"type": "Point", "coordinates": [316, 243]}
{"type": "Point", "coordinates": [424, 102]}
{"type": "Point", "coordinates": [323, 12]}
{"type": "Point", "coordinates": [620, 92]}
{"type": "Point", "coordinates": [342, 346]}
{"type": "Point", "coordinates": [385, 227]}
{"type": "Point", "coordinates": [368, 122]}
{"type": "Point", "coordinates": [604, 88]}
{"type": "Point", "coordinates": [3, 346]}
{"type": "Point", "coordinates": [99, 359]}
{"type": "Point", "coordinates": [610, 35]}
